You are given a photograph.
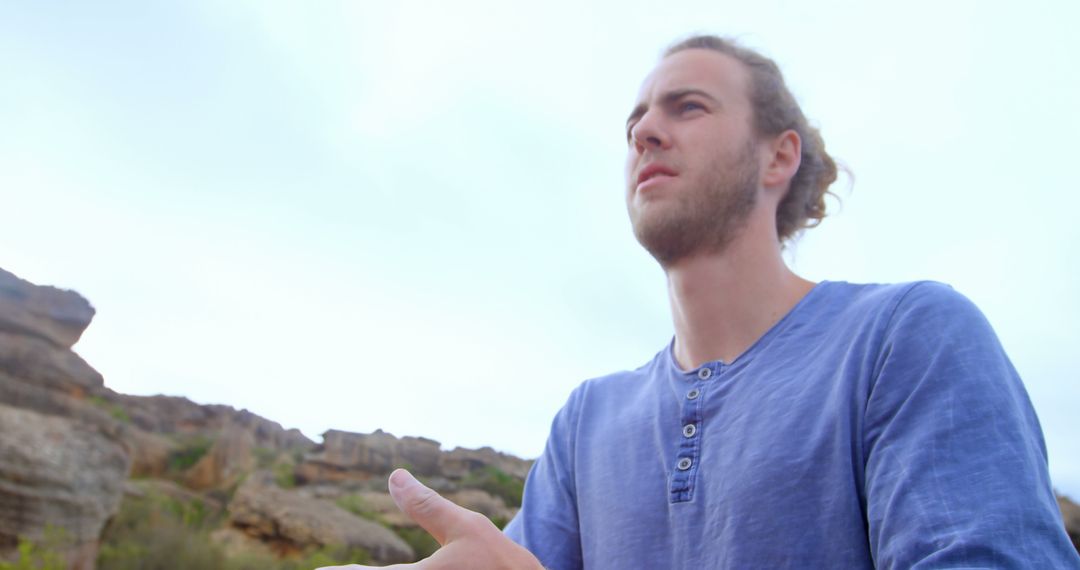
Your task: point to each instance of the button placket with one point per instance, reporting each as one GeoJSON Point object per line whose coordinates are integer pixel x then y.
{"type": "Point", "coordinates": [688, 451]}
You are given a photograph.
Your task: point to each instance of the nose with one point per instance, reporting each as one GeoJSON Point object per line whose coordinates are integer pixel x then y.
{"type": "Point", "coordinates": [648, 134]}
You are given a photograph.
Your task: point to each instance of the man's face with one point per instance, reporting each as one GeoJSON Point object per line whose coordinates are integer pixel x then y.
{"type": "Point", "coordinates": [691, 169]}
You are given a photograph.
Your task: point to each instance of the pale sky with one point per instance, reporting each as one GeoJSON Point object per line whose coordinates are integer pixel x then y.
{"type": "Point", "coordinates": [409, 216]}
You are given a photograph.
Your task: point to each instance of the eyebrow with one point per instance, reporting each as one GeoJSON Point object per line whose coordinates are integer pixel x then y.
{"type": "Point", "coordinates": [668, 98]}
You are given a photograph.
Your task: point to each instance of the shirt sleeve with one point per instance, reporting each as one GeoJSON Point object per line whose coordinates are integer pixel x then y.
{"type": "Point", "coordinates": [956, 467]}
{"type": "Point", "coordinates": [547, 524]}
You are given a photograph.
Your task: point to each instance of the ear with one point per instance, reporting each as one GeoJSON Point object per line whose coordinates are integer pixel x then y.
{"type": "Point", "coordinates": [784, 157]}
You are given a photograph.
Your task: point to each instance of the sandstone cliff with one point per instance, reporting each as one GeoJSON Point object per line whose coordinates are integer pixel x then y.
{"type": "Point", "coordinates": [107, 468]}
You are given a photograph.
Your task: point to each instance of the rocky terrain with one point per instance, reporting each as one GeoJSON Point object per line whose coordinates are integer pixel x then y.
{"type": "Point", "coordinates": [90, 478]}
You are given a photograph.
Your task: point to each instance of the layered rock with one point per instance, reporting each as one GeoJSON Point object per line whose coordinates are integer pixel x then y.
{"type": "Point", "coordinates": [57, 316]}
{"type": "Point", "coordinates": [290, 522]}
{"type": "Point", "coordinates": [63, 460]}
{"type": "Point", "coordinates": [68, 444]}
{"type": "Point", "coordinates": [461, 461]}
{"type": "Point", "coordinates": [346, 457]}
{"type": "Point", "coordinates": [178, 415]}
{"type": "Point", "coordinates": [357, 457]}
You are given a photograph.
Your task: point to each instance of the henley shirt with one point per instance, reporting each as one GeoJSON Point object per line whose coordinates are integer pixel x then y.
{"type": "Point", "coordinates": [873, 426]}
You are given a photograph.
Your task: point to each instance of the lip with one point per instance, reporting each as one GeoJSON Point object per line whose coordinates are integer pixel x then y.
{"type": "Point", "coordinates": [654, 173]}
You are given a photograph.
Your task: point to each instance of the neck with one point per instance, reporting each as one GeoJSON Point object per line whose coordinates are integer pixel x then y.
{"type": "Point", "coordinates": [723, 303]}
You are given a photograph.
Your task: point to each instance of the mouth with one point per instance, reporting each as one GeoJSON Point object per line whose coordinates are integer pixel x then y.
{"type": "Point", "coordinates": [655, 173]}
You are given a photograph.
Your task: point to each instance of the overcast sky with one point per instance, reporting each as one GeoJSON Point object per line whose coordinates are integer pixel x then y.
{"type": "Point", "coordinates": [409, 216]}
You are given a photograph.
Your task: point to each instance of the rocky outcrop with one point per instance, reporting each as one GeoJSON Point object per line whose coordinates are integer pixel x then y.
{"type": "Point", "coordinates": [58, 473]}
{"type": "Point", "coordinates": [461, 461]}
{"type": "Point", "coordinates": [492, 507]}
{"type": "Point", "coordinates": [63, 459]}
{"type": "Point", "coordinates": [289, 522]}
{"type": "Point", "coordinates": [177, 415]}
{"type": "Point", "coordinates": [346, 457]}
{"type": "Point", "coordinates": [1070, 513]}
{"type": "Point", "coordinates": [56, 316]}
{"type": "Point", "coordinates": [68, 445]}
{"type": "Point", "coordinates": [230, 457]}
{"type": "Point", "coordinates": [357, 457]}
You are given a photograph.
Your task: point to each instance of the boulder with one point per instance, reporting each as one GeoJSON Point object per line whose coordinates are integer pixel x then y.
{"type": "Point", "coordinates": [229, 458]}
{"type": "Point", "coordinates": [149, 453]}
{"type": "Point", "coordinates": [178, 415]}
{"type": "Point", "coordinates": [346, 456]}
{"type": "Point", "coordinates": [461, 461]}
{"type": "Point", "coordinates": [38, 361]}
{"type": "Point", "coordinates": [480, 501]}
{"type": "Point", "coordinates": [48, 313]}
{"type": "Point", "coordinates": [60, 473]}
{"type": "Point", "coordinates": [289, 522]}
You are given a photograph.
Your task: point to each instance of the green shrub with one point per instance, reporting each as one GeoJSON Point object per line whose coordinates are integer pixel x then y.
{"type": "Point", "coordinates": [117, 411]}
{"type": "Point", "coordinates": [326, 556]}
{"type": "Point", "coordinates": [497, 483]}
{"type": "Point", "coordinates": [264, 457]}
{"type": "Point", "coordinates": [157, 532]}
{"type": "Point", "coordinates": [356, 505]}
{"type": "Point", "coordinates": [285, 475]}
{"type": "Point", "coordinates": [422, 543]}
{"type": "Point", "coordinates": [189, 453]}
{"type": "Point", "coordinates": [41, 555]}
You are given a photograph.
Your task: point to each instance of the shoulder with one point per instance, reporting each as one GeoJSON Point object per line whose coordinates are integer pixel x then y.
{"type": "Point", "coordinates": [915, 303]}
{"type": "Point", "coordinates": [890, 296]}
{"type": "Point", "coordinates": [618, 391]}
{"type": "Point", "coordinates": [932, 310]}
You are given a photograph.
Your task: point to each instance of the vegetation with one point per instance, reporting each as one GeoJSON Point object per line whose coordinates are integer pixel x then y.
{"type": "Point", "coordinates": [156, 532]}
{"type": "Point", "coordinates": [285, 475]}
{"type": "Point", "coordinates": [41, 555]}
{"type": "Point", "coordinates": [497, 483]}
{"type": "Point", "coordinates": [421, 542]}
{"type": "Point", "coordinates": [356, 505]}
{"type": "Point", "coordinates": [117, 411]}
{"type": "Point", "coordinates": [264, 457]}
{"type": "Point", "coordinates": [189, 453]}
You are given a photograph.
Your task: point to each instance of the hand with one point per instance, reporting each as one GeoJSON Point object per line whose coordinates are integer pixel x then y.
{"type": "Point", "coordinates": [468, 539]}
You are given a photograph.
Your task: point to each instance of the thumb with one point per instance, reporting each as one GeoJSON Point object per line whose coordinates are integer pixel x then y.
{"type": "Point", "coordinates": [437, 515]}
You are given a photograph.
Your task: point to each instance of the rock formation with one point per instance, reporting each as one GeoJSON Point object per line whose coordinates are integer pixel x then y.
{"type": "Point", "coordinates": [289, 522]}
{"type": "Point", "coordinates": [68, 445]}
{"type": "Point", "coordinates": [63, 461]}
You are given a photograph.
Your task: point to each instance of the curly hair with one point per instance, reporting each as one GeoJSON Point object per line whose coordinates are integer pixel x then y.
{"type": "Point", "coordinates": [776, 111]}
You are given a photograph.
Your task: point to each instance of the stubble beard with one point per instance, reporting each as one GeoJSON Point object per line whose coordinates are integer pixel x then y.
{"type": "Point", "coordinates": [702, 220]}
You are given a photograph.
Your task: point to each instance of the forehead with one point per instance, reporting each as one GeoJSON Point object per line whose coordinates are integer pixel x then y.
{"type": "Point", "coordinates": [718, 74]}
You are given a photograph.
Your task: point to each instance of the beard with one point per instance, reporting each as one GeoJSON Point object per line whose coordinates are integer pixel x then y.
{"type": "Point", "coordinates": [704, 219]}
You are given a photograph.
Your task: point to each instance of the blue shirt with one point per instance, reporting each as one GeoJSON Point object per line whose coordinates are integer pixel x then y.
{"type": "Point", "coordinates": [873, 426]}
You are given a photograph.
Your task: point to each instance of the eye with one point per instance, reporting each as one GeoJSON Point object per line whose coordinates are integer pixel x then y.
{"type": "Point", "coordinates": [687, 106]}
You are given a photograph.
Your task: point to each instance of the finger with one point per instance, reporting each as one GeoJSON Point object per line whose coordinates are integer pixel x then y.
{"type": "Point", "coordinates": [441, 518]}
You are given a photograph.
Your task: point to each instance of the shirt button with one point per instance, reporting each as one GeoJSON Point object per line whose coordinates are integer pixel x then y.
{"type": "Point", "coordinates": [689, 430]}
{"type": "Point", "coordinates": [684, 464]}
{"type": "Point", "coordinates": [704, 373]}
{"type": "Point", "coordinates": [693, 394]}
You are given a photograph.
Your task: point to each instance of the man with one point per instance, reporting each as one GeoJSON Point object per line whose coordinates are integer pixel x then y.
{"type": "Point", "coordinates": [788, 424]}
